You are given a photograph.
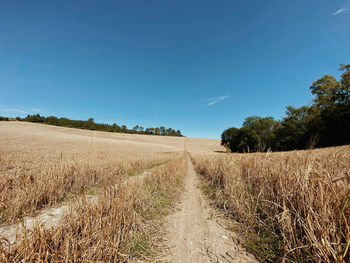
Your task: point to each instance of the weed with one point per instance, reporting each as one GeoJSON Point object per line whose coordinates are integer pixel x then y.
{"type": "Point", "coordinates": [132, 173]}
{"type": "Point", "coordinates": [140, 245]}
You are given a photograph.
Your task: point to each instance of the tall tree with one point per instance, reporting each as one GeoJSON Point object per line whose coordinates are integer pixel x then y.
{"type": "Point", "coordinates": [327, 90]}
{"type": "Point", "coordinates": [230, 139]}
{"type": "Point", "coordinates": [345, 82]}
{"type": "Point", "coordinates": [157, 131]}
{"type": "Point", "coordinates": [326, 122]}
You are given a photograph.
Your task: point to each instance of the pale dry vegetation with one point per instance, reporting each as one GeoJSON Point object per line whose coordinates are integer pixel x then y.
{"type": "Point", "coordinates": [29, 183]}
{"type": "Point", "coordinates": [292, 206]}
{"type": "Point", "coordinates": [119, 227]}
{"type": "Point", "coordinates": [103, 211]}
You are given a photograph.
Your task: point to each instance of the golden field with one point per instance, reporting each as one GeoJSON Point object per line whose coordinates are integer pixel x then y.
{"type": "Point", "coordinates": [110, 217]}
{"type": "Point", "coordinates": [42, 165]}
{"type": "Point", "coordinates": [118, 188]}
{"type": "Point", "coordinates": [293, 206]}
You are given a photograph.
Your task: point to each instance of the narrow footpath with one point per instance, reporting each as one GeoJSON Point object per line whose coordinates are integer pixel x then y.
{"type": "Point", "coordinates": [193, 236]}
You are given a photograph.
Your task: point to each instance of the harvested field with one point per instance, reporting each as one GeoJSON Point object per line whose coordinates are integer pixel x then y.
{"type": "Point", "coordinates": [52, 141]}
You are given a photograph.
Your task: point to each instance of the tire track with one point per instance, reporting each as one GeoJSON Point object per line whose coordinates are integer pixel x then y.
{"type": "Point", "coordinates": [193, 236]}
{"type": "Point", "coordinates": [51, 217]}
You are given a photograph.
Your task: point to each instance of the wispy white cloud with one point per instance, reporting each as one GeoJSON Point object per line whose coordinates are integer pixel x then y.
{"type": "Point", "coordinates": [341, 10]}
{"type": "Point", "coordinates": [14, 110]}
{"type": "Point", "coordinates": [216, 100]}
{"type": "Point", "coordinates": [21, 111]}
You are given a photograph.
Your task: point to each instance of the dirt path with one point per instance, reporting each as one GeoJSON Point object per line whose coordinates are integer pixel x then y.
{"type": "Point", "coordinates": [52, 216]}
{"type": "Point", "coordinates": [193, 236]}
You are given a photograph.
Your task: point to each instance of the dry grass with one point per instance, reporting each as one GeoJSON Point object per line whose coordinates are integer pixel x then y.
{"type": "Point", "coordinates": [295, 203]}
{"type": "Point", "coordinates": [29, 183]}
{"type": "Point", "coordinates": [117, 228]}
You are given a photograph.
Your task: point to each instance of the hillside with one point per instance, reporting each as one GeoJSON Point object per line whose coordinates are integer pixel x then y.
{"type": "Point", "coordinates": [36, 138]}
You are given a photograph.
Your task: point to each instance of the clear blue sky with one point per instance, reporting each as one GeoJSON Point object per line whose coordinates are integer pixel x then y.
{"type": "Point", "coordinates": [166, 62]}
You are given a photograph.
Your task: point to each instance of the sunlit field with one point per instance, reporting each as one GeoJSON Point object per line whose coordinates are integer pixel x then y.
{"type": "Point", "coordinates": [96, 175]}
{"type": "Point", "coordinates": [291, 205]}
{"type": "Point", "coordinates": [41, 169]}
{"type": "Point", "coordinates": [109, 195]}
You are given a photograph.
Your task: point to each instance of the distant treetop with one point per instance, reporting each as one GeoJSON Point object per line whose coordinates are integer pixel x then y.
{"type": "Point", "coordinates": [91, 125]}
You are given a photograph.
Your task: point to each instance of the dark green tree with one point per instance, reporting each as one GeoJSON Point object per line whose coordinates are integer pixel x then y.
{"type": "Point", "coordinates": [326, 122]}
{"type": "Point", "coordinates": [230, 139]}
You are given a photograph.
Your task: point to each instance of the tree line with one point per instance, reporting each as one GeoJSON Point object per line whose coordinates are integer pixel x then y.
{"type": "Point", "coordinates": [325, 122]}
{"type": "Point", "coordinates": [90, 124]}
